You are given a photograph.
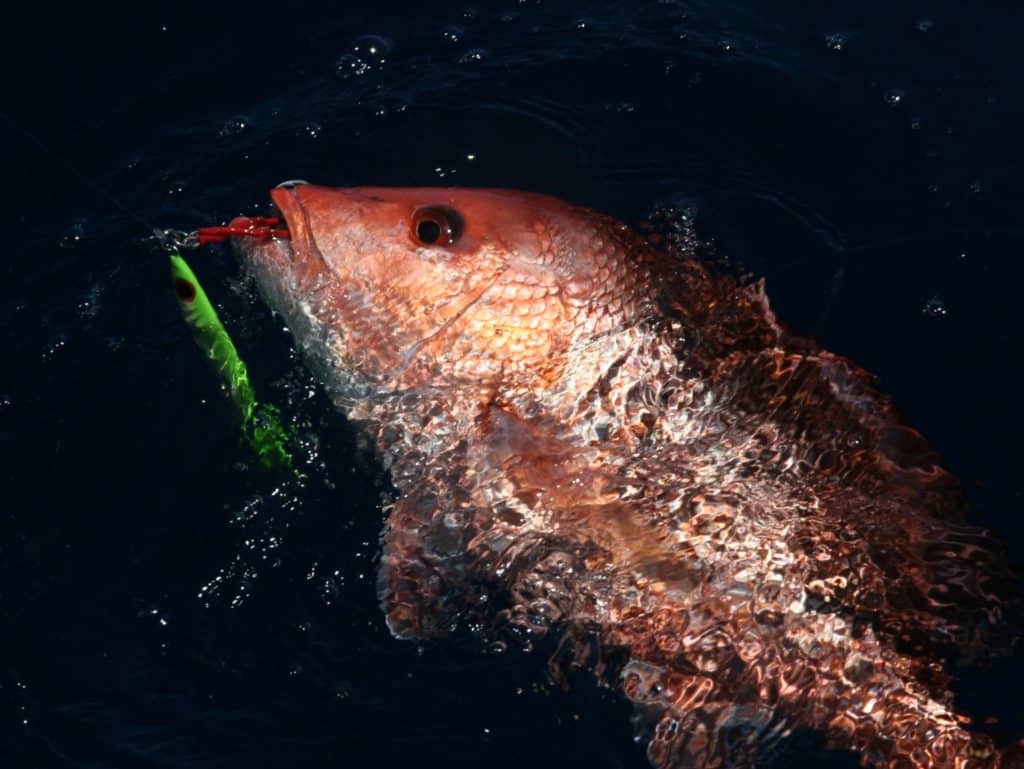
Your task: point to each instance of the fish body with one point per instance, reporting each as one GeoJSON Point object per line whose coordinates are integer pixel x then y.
{"type": "Point", "coordinates": [606, 442]}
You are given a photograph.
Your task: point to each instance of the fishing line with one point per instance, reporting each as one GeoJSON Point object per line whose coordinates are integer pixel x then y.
{"type": "Point", "coordinates": [261, 425]}
{"type": "Point", "coordinates": [57, 159]}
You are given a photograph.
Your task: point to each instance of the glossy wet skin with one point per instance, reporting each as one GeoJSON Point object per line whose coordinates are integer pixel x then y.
{"type": "Point", "coordinates": [609, 444]}
{"type": "Point", "coordinates": [500, 297]}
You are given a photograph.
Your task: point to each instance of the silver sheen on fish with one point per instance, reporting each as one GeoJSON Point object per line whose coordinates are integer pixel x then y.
{"type": "Point", "coordinates": [609, 444]}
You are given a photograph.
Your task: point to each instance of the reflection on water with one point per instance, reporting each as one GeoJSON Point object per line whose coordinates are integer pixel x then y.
{"type": "Point", "coordinates": [164, 606]}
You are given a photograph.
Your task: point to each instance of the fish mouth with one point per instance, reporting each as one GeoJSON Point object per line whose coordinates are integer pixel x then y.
{"type": "Point", "coordinates": [308, 263]}
{"type": "Point", "coordinates": [292, 250]}
{"type": "Point", "coordinates": [289, 209]}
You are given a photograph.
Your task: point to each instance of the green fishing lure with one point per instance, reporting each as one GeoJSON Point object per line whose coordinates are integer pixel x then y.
{"type": "Point", "coordinates": [261, 423]}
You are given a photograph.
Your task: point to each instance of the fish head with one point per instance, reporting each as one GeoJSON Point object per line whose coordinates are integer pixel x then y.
{"type": "Point", "coordinates": [413, 287]}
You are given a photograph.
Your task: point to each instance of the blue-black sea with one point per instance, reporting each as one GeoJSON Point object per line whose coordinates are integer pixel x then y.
{"type": "Point", "coordinates": [165, 604]}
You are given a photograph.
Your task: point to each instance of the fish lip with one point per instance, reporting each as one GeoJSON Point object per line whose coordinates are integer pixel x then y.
{"type": "Point", "coordinates": [283, 198]}
{"type": "Point", "coordinates": [307, 263]}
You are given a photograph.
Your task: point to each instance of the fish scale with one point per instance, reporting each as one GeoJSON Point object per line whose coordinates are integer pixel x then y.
{"type": "Point", "coordinates": [721, 520]}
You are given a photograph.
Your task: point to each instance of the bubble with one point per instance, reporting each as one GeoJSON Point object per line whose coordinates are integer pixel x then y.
{"type": "Point", "coordinates": [176, 188]}
{"type": "Point", "coordinates": [156, 614]}
{"type": "Point", "coordinates": [330, 588]}
{"type": "Point", "coordinates": [623, 107]}
{"type": "Point", "coordinates": [349, 66]}
{"type": "Point", "coordinates": [935, 308]}
{"type": "Point", "coordinates": [895, 96]}
{"type": "Point", "coordinates": [836, 41]}
{"type": "Point", "coordinates": [725, 46]}
{"type": "Point", "coordinates": [54, 347]}
{"type": "Point", "coordinates": [233, 127]}
{"type": "Point", "coordinates": [373, 47]}
{"type": "Point", "coordinates": [453, 33]}
{"type": "Point", "coordinates": [473, 56]}
{"type": "Point", "coordinates": [74, 235]}
{"type": "Point", "coordinates": [88, 305]}
{"type": "Point", "coordinates": [470, 14]}
{"type": "Point", "coordinates": [925, 25]}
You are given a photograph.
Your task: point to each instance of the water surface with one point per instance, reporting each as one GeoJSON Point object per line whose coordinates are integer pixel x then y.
{"type": "Point", "coordinates": [163, 605]}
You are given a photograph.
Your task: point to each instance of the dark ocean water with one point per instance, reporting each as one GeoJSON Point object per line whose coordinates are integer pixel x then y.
{"type": "Point", "coordinates": [164, 605]}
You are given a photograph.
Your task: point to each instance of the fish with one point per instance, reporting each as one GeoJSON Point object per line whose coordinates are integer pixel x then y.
{"type": "Point", "coordinates": [605, 447]}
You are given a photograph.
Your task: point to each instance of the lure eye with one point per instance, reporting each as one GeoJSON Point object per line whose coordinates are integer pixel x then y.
{"type": "Point", "coordinates": [184, 290]}
{"type": "Point", "coordinates": [436, 226]}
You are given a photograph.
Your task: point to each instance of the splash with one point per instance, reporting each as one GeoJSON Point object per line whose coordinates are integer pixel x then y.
{"type": "Point", "coordinates": [608, 444]}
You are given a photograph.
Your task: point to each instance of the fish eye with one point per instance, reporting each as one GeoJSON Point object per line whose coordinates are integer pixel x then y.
{"type": "Point", "coordinates": [436, 226]}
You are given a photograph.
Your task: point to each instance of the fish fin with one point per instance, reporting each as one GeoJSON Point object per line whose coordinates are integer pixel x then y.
{"type": "Point", "coordinates": [422, 583]}
{"type": "Point", "coordinates": [924, 577]}
{"type": "Point", "coordinates": [1012, 756]}
{"type": "Point", "coordinates": [685, 722]}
